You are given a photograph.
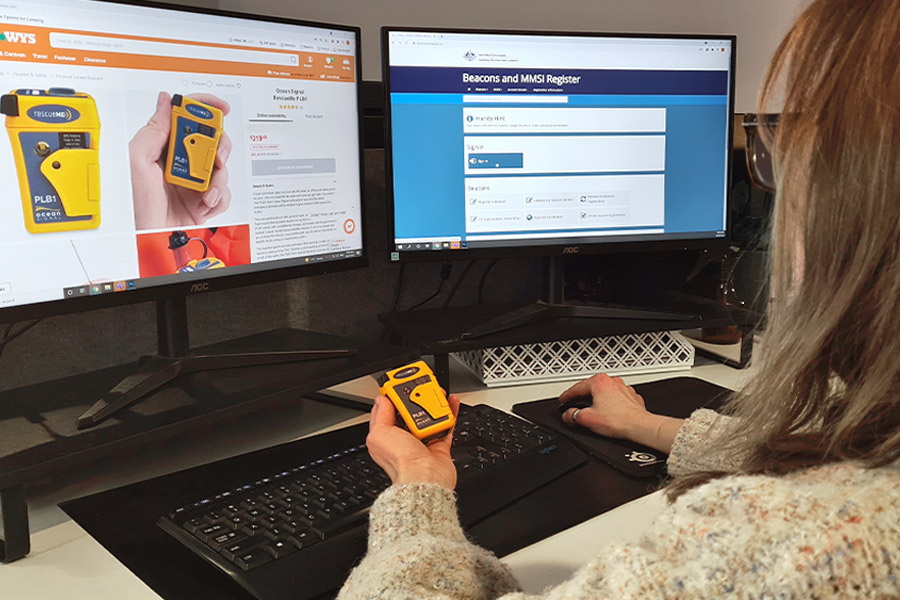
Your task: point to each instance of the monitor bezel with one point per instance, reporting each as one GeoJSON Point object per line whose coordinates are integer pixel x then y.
{"type": "Point", "coordinates": [713, 245]}
{"type": "Point", "coordinates": [201, 282]}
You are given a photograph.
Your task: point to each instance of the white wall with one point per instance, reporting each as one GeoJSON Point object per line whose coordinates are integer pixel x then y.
{"type": "Point", "coordinates": [759, 24]}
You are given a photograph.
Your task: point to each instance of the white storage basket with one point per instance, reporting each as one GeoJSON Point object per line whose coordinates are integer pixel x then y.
{"type": "Point", "coordinates": [624, 354]}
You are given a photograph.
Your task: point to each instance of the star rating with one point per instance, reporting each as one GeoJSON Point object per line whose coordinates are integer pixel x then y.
{"type": "Point", "coordinates": [289, 106]}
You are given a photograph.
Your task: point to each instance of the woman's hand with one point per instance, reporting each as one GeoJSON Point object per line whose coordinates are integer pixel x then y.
{"type": "Point", "coordinates": [158, 203]}
{"type": "Point", "coordinates": [616, 406]}
{"type": "Point", "coordinates": [403, 457]}
{"type": "Point", "coordinates": [619, 412]}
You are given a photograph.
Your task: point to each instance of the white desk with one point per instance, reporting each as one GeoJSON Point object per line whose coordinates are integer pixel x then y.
{"type": "Point", "coordinates": [65, 562]}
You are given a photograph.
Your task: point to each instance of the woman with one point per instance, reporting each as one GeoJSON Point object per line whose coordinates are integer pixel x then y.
{"type": "Point", "coordinates": [803, 499]}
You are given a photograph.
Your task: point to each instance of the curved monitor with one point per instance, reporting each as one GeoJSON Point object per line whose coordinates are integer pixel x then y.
{"type": "Point", "coordinates": [527, 143]}
{"type": "Point", "coordinates": [152, 151]}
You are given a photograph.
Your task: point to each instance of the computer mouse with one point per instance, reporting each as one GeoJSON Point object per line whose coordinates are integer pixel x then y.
{"type": "Point", "coordinates": [576, 402]}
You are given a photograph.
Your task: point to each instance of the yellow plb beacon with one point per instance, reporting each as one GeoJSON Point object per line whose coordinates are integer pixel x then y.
{"type": "Point", "coordinates": [55, 136]}
{"type": "Point", "coordinates": [419, 401]}
{"type": "Point", "coordinates": [193, 141]}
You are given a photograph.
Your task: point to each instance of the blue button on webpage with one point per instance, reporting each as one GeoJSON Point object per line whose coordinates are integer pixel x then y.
{"type": "Point", "coordinates": [507, 160]}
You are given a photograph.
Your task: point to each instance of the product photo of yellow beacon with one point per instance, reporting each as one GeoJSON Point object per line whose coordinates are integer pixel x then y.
{"type": "Point", "coordinates": [55, 136]}
{"type": "Point", "coordinates": [193, 142]}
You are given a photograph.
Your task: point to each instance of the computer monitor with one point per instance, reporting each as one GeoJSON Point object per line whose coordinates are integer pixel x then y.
{"type": "Point", "coordinates": [157, 151]}
{"type": "Point", "coordinates": [505, 143]}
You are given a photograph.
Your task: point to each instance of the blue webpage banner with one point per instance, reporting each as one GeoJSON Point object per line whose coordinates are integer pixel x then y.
{"type": "Point", "coordinates": [568, 81]}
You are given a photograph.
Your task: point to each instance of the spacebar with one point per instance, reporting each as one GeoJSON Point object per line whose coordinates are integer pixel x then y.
{"type": "Point", "coordinates": [331, 527]}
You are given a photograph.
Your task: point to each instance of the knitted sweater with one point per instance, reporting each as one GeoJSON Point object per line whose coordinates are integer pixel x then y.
{"type": "Point", "coordinates": [826, 532]}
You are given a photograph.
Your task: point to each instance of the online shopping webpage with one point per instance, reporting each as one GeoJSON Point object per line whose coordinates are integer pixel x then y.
{"type": "Point", "coordinates": [143, 146]}
{"type": "Point", "coordinates": [523, 140]}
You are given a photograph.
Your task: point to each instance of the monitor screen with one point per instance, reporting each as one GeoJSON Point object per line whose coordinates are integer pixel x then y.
{"type": "Point", "coordinates": [152, 151]}
{"type": "Point", "coordinates": [504, 143]}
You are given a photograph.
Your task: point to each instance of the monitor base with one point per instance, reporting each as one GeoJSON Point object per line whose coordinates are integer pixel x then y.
{"type": "Point", "coordinates": [174, 359]}
{"type": "Point", "coordinates": [157, 371]}
{"type": "Point", "coordinates": [540, 311]}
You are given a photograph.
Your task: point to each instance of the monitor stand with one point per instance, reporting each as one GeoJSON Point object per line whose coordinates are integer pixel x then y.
{"type": "Point", "coordinates": [541, 310]}
{"type": "Point", "coordinates": [174, 359]}
{"type": "Point", "coordinates": [556, 308]}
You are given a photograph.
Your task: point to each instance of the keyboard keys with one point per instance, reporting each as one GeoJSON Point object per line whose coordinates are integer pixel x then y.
{"type": "Point", "coordinates": [210, 531]}
{"type": "Point", "coordinates": [253, 558]}
{"type": "Point", "coordinates": [212, 517]}
{"type": "Point", "coordinates": [290, 511]}
{"type": "Point", "coordinates": [281, 547]}
{"type": "Point", "coordinates": [194, 524]}
{"type": "Point", "coordinates": [250, 503]}
{"type": "Point", "coordinates": [237, 521]}
{"type": "Point", "coordinates": [223, 539]}
{"type": "Point", "coordinates": [251, 529]}
{"type": "Point", "coordinates": [306, 538]}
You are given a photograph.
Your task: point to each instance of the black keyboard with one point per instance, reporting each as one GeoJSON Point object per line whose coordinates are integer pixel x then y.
{"type": "Point", "coordinates": [288, 515]}
{"type": "Point", "coordinates": [285, 512]}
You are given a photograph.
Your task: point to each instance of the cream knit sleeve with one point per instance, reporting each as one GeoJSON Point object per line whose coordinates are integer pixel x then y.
{"type": "Point", "coordinates": [830, 533]}
{"type": "Point", "coordinates": [418, 550]}
{"type": "Point", "coordinates": [697, 444]}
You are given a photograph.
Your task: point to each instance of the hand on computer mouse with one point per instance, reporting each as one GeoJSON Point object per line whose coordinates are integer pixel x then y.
{"type": "Point", "coordinates": [605, 405]}
{"type": "Point", "coordinates": [574, 406]}
{"type": "Point", "coordinates": [576, 402]}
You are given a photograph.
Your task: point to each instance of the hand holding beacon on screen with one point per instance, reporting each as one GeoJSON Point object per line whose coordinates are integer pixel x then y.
{"type": "Point", "coordinates": [159, 201]}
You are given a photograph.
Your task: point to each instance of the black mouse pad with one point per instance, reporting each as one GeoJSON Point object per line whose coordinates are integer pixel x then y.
{"type": "Point", "coordinates": [677, 397]}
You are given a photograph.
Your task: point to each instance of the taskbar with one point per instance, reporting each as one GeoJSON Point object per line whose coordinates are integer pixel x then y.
{"type": "Point", "coordinates": [475, 243]}
{"type": "Point", "coordinates": [207, 269]}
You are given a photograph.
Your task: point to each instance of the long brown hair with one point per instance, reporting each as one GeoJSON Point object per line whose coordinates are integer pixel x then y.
{"type": "Point", "coordinates": [828, 384]}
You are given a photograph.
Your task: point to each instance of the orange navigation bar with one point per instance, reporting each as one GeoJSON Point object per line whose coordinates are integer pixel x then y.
{"type": "Point", "coordinates": [61, 47]}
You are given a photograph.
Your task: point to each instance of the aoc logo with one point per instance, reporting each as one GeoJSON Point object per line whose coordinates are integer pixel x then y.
{"type": "Point", "coordinates": [200, 287]}
{"type": "Point", "coordinates": [571, 250]}
{"type": "Point", "coordinates": [53, 113]}
{"type": "Point", "coordinates": [17, 37]}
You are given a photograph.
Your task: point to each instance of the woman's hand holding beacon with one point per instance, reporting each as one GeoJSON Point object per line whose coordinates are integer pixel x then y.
{"type": "Point", "coordinates": [403, 457]}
